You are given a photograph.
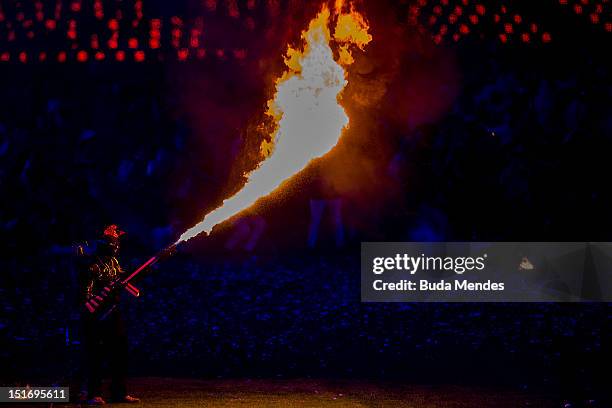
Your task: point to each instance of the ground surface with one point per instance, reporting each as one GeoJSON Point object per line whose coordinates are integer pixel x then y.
{"type": "Point", "coordinates": [163, 392]}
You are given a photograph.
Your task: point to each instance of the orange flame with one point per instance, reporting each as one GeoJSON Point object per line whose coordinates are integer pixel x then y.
{"type": "Point", "coordinates": [309, 118]}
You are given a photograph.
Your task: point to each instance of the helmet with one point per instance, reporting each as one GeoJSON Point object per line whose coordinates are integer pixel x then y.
{"type": "Point", "coordinates": [109, 244]}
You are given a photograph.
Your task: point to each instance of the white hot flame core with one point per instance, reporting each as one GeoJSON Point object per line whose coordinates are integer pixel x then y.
{"type": "Point", "coordinates": [309, 118]}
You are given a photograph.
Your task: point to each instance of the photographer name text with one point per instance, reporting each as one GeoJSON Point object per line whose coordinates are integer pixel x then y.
{"type": "Point", "coordinates": [441, 285]}
{"type": "Point", "coordinates": [422, 263]}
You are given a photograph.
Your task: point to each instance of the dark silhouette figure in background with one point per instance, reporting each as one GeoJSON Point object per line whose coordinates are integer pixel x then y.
{"type": "Point", "coordinates": [105, 338]}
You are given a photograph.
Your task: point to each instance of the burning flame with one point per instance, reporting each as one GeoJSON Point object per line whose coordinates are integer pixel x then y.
{"type": "Point", "coordinates": [308, 116]}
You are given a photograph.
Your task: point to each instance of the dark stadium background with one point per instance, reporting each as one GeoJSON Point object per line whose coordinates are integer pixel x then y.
{"type": "Point", "coordinates": [485, 135]}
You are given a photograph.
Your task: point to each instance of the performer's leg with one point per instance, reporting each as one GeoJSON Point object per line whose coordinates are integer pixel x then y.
{"type": "Point", "coordinates": [118, 348]}
{"type": "Point", "coordinates": [92, 349]}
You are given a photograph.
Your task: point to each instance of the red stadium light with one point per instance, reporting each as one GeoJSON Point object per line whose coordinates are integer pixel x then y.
{"type": "Point", "coordinates": [113, 24]}
{"type": "Point", "coordinates": [182, 54]}
{"type": "Point", "coordinates": [176, 37]}
{"type": "Point", "coordinates": [211, 5]}
{"type": "Point", "coordinates": [414, 11]}
{"type": "Point", "coordinates": [154, 33]}
{"type": "Point", "coordinates": [194, 40]}
{"type": "Point", "coordinates": [58, 10]}
{"type": "Point", "coordinates": [114, 40]}
{"type": "Point", "coordinates": [232, 9]}
{"type": "Point", "coordinates": [105, 38]}
{"type": "Point", "coordinates": [138, 9]}
{"type": "Point", "coordinates": [82, 56]}
{"type": "Point", "coordinates": [240, 54]}
{"type": "Point", "coordinates": [98, 9]}
{"type": "Point", "coordinates": [72, 34]}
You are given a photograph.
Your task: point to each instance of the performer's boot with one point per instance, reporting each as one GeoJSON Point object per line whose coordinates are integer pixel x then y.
{"type": "Point", "coordinates": [96, 401]}
{"type": "Point", "coordinates": [128, 399]}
